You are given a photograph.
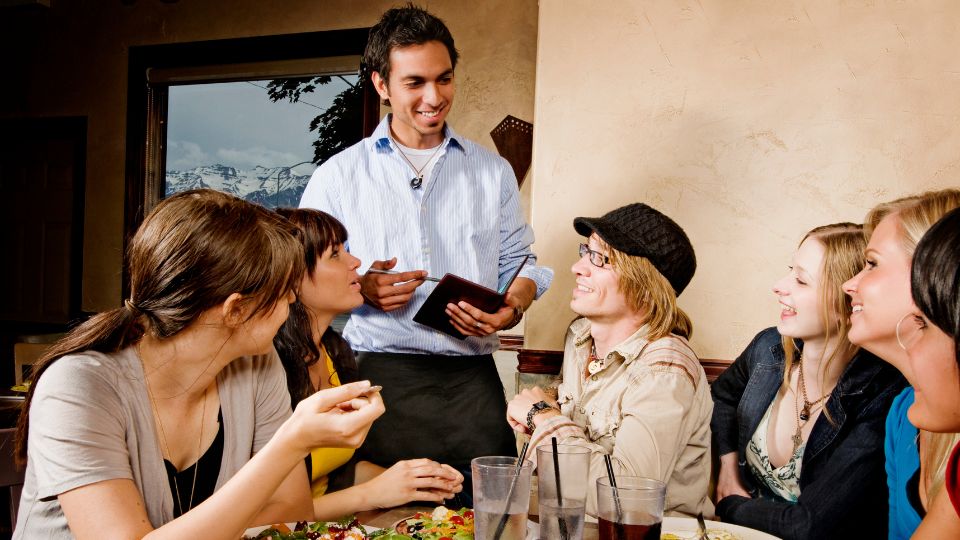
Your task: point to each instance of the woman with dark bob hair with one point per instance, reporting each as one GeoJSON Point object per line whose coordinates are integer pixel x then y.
{"type": "Point", "coordinates": [315, 357]}
{"type": "Point", "coordinates": [930, 336]}
{"type": "Point", "coordinates": [169, 417]}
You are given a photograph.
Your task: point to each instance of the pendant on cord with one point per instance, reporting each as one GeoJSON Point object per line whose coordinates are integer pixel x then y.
{"type": "Point", "coordinates": [416, 182]}
{"type": "Point", "coordinates": [805, 412]}
{"type": "Point", "coordinates": [594, 366]}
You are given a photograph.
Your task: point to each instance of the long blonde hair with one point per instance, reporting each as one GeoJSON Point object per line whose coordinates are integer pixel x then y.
{"type": "Point", "coordinates": [843, 246]}
{"type": "Point", "coordinates": [916, 214]}
{"type": "Point", "coordinates": [646, 289]}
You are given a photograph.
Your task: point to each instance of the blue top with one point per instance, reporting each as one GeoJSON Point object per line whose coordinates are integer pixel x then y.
{"type": "Point", "coordinates": [902, 461]}
{"type": "Point", "coordinates": [841, 483]}
{"type": "Point", "coordinates": [465, 220]}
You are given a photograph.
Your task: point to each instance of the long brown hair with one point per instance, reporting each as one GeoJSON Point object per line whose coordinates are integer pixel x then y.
{"type": "Point", "coordinates": [194, 250]}
{"type": "Point", "coordinates": [294, 342]}
{"type": "Point", "coordinates": [843, 246]}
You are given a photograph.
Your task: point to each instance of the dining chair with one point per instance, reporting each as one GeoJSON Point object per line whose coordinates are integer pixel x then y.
{"type": "Point", "coordinates": [11, 474]}
{"type": "Point", "coordinates": [26, 354]}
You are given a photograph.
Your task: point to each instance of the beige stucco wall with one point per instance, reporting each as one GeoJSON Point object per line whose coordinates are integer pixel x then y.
{"type": "Point", "coordinates": [748, 122]}
{"type": "Point", "coordinates": [71, 60]}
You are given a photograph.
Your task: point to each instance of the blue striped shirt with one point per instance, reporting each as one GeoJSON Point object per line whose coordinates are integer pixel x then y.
{"type": "Point", "coordinates": [465, 220]}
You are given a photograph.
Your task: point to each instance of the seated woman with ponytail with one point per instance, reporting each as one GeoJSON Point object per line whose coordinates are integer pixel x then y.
{"type": "Point", "coordinates": [169, 417]}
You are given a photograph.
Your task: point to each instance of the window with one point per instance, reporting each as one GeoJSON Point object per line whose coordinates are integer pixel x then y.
{"type": "Point", "coordinates": [235, 137]}
{"type": "Point", "coordinates": [164, 150]}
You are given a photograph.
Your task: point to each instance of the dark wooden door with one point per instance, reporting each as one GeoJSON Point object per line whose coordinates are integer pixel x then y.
{"type": "Point", "coordinates": [42, 165]}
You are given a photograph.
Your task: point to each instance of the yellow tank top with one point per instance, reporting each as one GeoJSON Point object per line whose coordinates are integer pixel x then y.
{"type": "Point", "coordinates": [326, 460]}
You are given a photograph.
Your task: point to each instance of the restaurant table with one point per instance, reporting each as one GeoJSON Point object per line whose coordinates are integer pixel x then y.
{"type": "Point", "coordinates": [388, 518]}
{"type": "Point", "coordinates": [684, 526]}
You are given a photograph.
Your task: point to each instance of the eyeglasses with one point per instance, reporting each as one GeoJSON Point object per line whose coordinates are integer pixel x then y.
{"type": "Point", "coordinates": [909, 329]}
{"type": "Point", "coordinates": [596, 258]}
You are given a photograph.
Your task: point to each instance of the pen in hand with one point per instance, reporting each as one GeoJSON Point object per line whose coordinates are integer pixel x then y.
{"type": "Point", "coordinates": [379, 271]}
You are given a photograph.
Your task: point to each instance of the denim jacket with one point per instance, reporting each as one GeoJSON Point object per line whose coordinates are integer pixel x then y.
{"type": "Point", "coordinates": [842, 484]}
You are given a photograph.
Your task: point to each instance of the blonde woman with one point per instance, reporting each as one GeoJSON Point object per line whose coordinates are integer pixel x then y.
{"type": "Point", "coordinates": [915, 461]}
{"type": "Point", "coordinates": [798, 418]}
{"type": "Point", "coordinates": [632, 387]}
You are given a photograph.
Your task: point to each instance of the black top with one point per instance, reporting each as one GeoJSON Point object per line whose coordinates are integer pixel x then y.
{"type": "Point", "coordinates": [208, 469]}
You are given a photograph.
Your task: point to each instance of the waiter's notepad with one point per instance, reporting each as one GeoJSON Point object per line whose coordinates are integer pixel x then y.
{"type": "Point", "coordinates": [453, 289]}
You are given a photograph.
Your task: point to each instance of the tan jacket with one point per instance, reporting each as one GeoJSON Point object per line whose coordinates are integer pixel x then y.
{"type": "Point", "coordinates": [649, 408]}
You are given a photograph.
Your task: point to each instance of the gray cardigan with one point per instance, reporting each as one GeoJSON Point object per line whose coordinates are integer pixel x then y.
{"type": "Point", "coordinates": [90, 421]}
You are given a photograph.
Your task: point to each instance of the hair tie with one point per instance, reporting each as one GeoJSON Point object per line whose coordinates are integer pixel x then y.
{"type": "Point", "coordinates": [128, 303]}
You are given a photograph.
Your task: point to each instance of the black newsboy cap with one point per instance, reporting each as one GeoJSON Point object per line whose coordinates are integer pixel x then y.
{"type": "Point", "coordinates": [639, 230]}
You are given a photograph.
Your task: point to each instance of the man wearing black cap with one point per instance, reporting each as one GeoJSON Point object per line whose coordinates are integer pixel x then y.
{"type": "Point", "coordinates": [632, 387]}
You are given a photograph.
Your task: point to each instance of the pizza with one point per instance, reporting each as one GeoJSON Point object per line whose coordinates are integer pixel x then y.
{"type": "Point", "coordinates": [441, 524]}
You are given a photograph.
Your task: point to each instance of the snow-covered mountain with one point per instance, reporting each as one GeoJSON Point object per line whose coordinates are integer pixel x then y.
{"type": "Point", "coordinates": [271, 187]}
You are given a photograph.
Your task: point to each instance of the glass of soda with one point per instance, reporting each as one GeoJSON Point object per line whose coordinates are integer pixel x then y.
{"type": "Point", "coordinates": [501, 497]}
{"type": "Point", "coordinates": [631, 511]}
{"type": "Point", "coordinates": [562, 490]}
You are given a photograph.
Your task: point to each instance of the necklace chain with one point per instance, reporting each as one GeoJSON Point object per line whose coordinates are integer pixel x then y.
{"type": "Point", "coordinates": [807, 404]}
{"type": "Point", "coordinates": [163, 437]}
{"type": "Point", "coordinates": [418, 172]}
{"type": "Point", "coordinates": [809, 407]}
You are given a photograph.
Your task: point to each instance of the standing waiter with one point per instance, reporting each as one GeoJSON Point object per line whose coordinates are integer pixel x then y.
{"type": "Point", "coordinates": [419, 199]}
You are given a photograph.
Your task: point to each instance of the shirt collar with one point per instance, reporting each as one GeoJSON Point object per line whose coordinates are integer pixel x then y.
{"type": "Point", "coordinates": [628, 349]}
{"type": "Point", "coordinates": [381, 136]}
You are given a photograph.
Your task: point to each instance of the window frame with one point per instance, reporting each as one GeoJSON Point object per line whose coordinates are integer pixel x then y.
{"type": "Point", "coordinates": [147, 102]}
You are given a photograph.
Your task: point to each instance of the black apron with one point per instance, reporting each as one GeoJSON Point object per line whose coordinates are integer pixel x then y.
{"type": "Point", "coordinates": [450, 409]}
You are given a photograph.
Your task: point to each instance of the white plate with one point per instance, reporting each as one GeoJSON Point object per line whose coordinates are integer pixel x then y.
{"type": "Point", "coordinates": [253, 531]}
{"type": "Point", "coordinates": [686, 527]}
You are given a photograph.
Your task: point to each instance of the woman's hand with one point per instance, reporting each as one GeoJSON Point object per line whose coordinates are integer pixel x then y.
{"type": "Point", "coordinates": [521, 404]}
{"type": "Point", "coordinates": [413, 480]}
{"type": "Point", "coordinates": [728, 481]}
{"type": "Point", "coordinates": [337, 417]}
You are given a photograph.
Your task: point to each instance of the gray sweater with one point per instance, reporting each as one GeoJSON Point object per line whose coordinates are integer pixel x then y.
{"type": "Point", "coordinates": [90, 421]}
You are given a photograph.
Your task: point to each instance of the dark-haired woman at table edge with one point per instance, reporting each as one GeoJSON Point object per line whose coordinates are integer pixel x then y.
{"type": "Point", "coordinates": [315, 357]}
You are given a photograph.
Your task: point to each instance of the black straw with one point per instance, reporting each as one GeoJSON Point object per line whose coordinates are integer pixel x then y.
{"type": "Point", "coordinates": [618, 525]}
{"type": "Point", "coordinates": [564, 535]}
{"type": "Point", "coordinates": [513, 484]}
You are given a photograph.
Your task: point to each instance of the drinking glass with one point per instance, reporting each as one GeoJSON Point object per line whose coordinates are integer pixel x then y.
{"type": "Point", "coordinates": [631, 511]}
{"type": "Point", "coordinates": [562, 510]}
{"type": "Point", "coordinates": [501, 493]}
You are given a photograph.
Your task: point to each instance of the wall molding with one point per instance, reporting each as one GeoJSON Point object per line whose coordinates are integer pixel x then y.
{"type": "Point", "coordinates": [549, 362]}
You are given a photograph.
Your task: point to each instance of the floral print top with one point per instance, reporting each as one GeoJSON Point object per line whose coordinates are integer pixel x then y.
{"type": "Point", "coordinates": [783, 480]}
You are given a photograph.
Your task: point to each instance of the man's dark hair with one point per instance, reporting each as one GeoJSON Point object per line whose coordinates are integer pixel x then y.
{"type": "Point", "coordinates": [935, 276]}
{"type": "Point", "coordinates": [403, 27]}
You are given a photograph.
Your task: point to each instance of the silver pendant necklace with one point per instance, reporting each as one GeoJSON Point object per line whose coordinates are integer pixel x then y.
{"type": "Point", "coordinates": [417, 180]}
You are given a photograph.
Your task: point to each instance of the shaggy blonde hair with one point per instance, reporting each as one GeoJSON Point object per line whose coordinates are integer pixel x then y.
{"type": "Point", "coordinates": [647, 290]}
{"type": "Point", "coordinates": [843, 246]}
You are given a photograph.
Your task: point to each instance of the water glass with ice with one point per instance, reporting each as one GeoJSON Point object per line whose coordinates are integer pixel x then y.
{"type": "Point", "coordinates": [500, 489]}
{"type": "Point", "coordinates": [562, 505]}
